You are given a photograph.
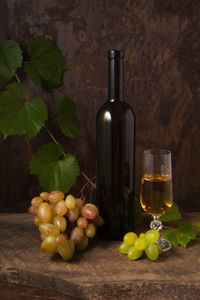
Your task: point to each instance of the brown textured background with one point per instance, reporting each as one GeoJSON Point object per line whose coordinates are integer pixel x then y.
{"type": "Point", "coordinates": [162, 64]}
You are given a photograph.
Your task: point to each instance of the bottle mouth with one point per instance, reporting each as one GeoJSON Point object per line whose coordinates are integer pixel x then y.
{"type": "Point", "coordinates": [118, 54]}
{"type": "Point", "coordinates": [158, 152]}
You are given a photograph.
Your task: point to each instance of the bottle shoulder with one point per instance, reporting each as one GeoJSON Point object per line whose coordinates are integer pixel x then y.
{"type": "Point", "coordinates": [115, 108]}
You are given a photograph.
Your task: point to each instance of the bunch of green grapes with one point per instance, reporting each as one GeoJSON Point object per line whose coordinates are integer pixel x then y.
{"type": "Point", "coordinates": [65, 223]}
{"type": "Point", "coordinates": [134, 245]}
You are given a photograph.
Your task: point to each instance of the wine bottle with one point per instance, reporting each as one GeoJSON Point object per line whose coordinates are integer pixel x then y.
{"type": "Point", "coordinates": [115, 151]}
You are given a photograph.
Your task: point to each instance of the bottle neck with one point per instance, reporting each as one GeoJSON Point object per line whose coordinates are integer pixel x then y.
{"type": "Point", "coordinates": [115, 76]}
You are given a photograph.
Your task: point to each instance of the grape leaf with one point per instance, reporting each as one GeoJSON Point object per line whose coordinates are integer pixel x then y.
{"type": "Point", "coordinates": [68, 120]}
{"type": "Point", "coordinates": [53, 172]}
{"type": "Point", "coordinates": [47, 64]}
{"type": "Point", "coordinates": [19, 116]}
{"type": "Point", "coordinates": [187, 229]}
{"type": "Point", "coordinates": [183, 239]}
{"type": "Point", "coordinates": [182, 236]}
{"type": "Point", "coordinates": [173, 214]}
{"type": "Point", "coordinates": [10, 60]}
{"type": "Point", "coordinates": [197, 226]}
{"type": "Point", "coordinates": [33, 74]}
{"type": "Point", "coordinates": [172, 237]}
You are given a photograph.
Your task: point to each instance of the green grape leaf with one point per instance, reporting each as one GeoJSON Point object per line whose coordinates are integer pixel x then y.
{"type": "Point", "coordinates": [33, 74]}
{"type": "Point", "coordinates": [19, 116]}
{"type": "Point", "coordinates": [172, 237]}
{"type": "Point", "coordinates": [183, 239]}
{"type": "Point", "coordinates": [173, 214]}
{"type": "Point", "coordinates": [182, 236]}
{"type": "Point", "coordinates": [10, 60]}
{"type": "Point", "coordinates": [68, 120]}
{"type": "Point", "coordinates": [197, 225]}
{"type": "Point", "coordinates": [187, 229]}
{"type": "Point", "coordinates": [46, 64]}
{"type": "Point", "coordinates": [54, 172]}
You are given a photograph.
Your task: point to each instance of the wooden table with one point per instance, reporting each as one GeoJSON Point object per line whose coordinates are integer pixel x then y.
{"type": "Point", "coordinates": [98, 273]}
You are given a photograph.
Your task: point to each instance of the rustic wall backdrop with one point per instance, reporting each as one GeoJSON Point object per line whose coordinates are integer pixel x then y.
{"type": "Point", "coordinates": [162, 64]}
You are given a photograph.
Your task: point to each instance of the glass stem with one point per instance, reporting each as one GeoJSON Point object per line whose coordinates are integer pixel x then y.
{"type": "Point", "coordinates": [156, 224]}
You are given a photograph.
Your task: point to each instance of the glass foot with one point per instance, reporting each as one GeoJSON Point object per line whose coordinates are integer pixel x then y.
{"type": "Point", "coordinates": [166, 245]}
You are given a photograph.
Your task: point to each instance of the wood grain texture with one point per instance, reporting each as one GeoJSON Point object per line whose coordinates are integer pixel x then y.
{"type": "Point", "coordinates": [21, 292]}
{"type": "Point", "coordinates": [98, 273]}
{"type": "Point", "coordinates": [162, 74]}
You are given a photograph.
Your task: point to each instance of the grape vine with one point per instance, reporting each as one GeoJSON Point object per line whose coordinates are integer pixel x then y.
{"type": "Point", "coordinates": [22, 115]}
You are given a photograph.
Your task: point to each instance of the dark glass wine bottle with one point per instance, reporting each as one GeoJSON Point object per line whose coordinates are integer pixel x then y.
{"type": "Point", "coordinates": [115, 146]}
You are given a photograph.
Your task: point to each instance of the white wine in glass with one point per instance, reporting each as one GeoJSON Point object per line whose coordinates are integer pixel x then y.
{"type": "Point", "coordinates": [156, 196]}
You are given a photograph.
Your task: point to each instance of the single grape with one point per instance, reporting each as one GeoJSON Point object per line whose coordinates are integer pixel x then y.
{"type": "Point", "coordinates": [79, 203]}
{"type": "Point", "coordinates": [56, 196]}
{"type": "Point", "coordinates": [44, 212]}
{"type": "Point", "coordinates": [44, 227]}
{"type": "Point", "coordinates": [98, 221]}
{"type": "Point", "coordinates": [130, 238]}
{"type": "Point", "coordinates": [93, 206]}
{"type": "Point", "coordinates": [61, 208]}
{"type": "Point", "coordinates": [33, 211]}
{"type": "Point", "coordinates": [65, 250]}
{"type": "Point", "coordinates": [49, 245]}
{"type": "Point", "coordinates": [142, 235]}
{"type": "Point", "coordinates": [159, 248]}
{"type": "Point", "coordinates": [83, 244]}
{"type": "Point", "coordinates": [88, 212]}
{"type": "Point", "coordinates": [77, 235]}
{"type": "Point", "coordinates": [60, 239]}
{"type": "Point", "coordinates": [140, 243]}
{"type": "Point", "coordinates": [44, 195]}
{"type": "Point", "coordinates": [90, 230]}
{"type": "Point", "coordinates": [54, 230]}
{"type": "Point", "coordinates": [152, 236]}
{"type": "Point", "coordinates": [70, 202]}
{"type": "Point", "coordinates": [82, 222]}
{"type": "Point", "coordinates": [60, 222]}
{"type": "Point", "coordinates": [36, 221]}
{"type": "Point", "coordinates": [152, 251]}
{"type": "Point", "coordinates": [73, 214]}
{"type": "Point", "coordinates": [134, 253]}
{"type": "Point", "coordinates": [123, 248]}
{"type": "Point", "coordinates": [36, 201]}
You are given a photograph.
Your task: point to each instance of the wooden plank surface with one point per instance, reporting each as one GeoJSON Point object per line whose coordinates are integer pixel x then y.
{"type": "Point", "coordinates": [21, 292]}
{"type": "Point", "coordinates": [100, 272]}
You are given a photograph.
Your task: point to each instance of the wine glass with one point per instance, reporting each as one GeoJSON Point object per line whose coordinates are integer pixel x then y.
{"type": "Point", "coordinates": [156, 195]}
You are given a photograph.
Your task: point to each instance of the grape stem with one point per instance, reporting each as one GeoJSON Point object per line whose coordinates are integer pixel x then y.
{"type": "Point", "coordinates": [168, 227]}
{"type": "Point", "coordinates": [84, 186]}
{"type": "Point", "coordinates": [93, 185]}
{"type": "Point", "coordinates": [54, 139]}
{"type": "Point", "coordinates": [19, 81]}
{"type": "Point", "coordinates": [51, 135]}
{"type": "Point", "coordinates": [89, 180]}
{"type": "Point", "coordinates": [84, 175]}
{"type": "Point", "coordinates": [17, 78]}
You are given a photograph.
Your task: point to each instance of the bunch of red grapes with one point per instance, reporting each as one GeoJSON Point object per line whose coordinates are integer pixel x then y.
{"type": "Point", "coordinates": [65, 223]}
